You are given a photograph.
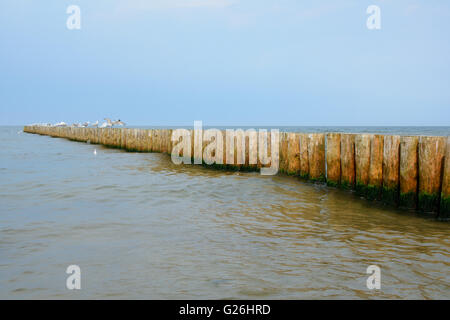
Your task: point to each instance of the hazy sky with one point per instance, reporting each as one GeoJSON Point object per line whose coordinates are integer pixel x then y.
{"type": "Point", "coordinates": [226, 62]}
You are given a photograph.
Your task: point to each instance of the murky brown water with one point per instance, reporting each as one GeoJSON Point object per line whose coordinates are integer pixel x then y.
{"type": "Point", "coordinates": [141, 227]}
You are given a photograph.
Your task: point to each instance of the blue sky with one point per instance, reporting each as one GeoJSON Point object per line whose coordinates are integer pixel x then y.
{"type": "Point", "coordinates": [226, 62]}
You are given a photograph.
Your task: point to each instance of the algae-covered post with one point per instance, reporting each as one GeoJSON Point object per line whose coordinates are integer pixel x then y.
{"type": "Point", "coordinates": [316, 156]}
{"type": "Point", "coordinates": [284, 145]}
{"type": "Point", "coordinates": [348, 160]}
{"type": "Point", "coordinates": [362, 163]}
{"type": "Point", "coordinates": [408, 172]}
{"type": "Point", "coordinates": [431, 155]}
{"type": "Point", "coordinates": [376, 167]}
{"type": "Point", "coordinates": [391, 152]}
{"type": "Point", "coordinates": [304, 162]}
{"type": "Point", "coordinates": [333, 159]}
{"type": "Point", "coordinates": [444, 210]}
{"type": "Point", "coordinates": [293, 154]}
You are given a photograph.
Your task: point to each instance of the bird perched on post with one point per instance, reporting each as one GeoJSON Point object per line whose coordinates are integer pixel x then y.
{"type": "Point", "coordinates": [119, 122]}
{"type": "Point", "coordinates": [107, 124]}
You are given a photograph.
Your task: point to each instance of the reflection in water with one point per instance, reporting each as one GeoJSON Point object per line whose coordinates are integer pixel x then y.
{"type": "Point", "coordinates": [142, 227]}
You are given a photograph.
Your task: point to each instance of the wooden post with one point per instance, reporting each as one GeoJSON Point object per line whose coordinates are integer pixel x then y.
{"type": "Point", "coordinates": [112, 138]}
{"type": "Point", "coordinates": [123, 138]}
{"type": "Point", "coordinates": [316, 156]}
{"type": "Point", "coordinates": [304, 158]}
{"type": "Point", "coordinates": [444, 210]}
{"type": "Point", "coordinates": [151, 134]}
{"type": "Point", "coordinates": [376, 167]}
{"type": "Point", "coordinates": [138, 134]}
{"type": "Point", "coordinates": [362, 163]}
{"type": "Point", "coordinates": [431, 156]}
{"type": "Point", "coordinates": [155, 140]}
{"type": "Point", "coordinates": [391, 153]}
{"type": "Point", "coordinates": [293, 154]}
{"type": "Point", "coordinates": [163, 141]}
{"type": "Point", "coordinates": [348, 160]}
{"type": "Point", "coordinates": [225, 150]}
{"type": "Point", "coordinates": [333, 159]}
{"type": "Point", "coordinates": [408, 172]}
{"type": "Point", "coordinates": [144, 140]}
{"type": "Point", "coordinates": [127, 140]}
{"type": "Point", "coordinates": [284, 144]}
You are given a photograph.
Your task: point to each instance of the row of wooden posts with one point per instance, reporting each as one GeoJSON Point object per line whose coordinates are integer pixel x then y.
{"type": "Point", "coordinates": [405, 171]}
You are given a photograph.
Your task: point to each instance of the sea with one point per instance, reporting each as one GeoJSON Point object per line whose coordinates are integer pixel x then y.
{"type": "Point", "coordinates": [140, 227]}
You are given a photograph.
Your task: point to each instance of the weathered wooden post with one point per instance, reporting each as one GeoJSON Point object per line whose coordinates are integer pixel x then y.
{"type": "Point", "coordinates": [137, 137]}
{"type": "Point", "coordinates": [304, 157]}
{"type": "Point", "coordinates": [144, 140]}
{"type": "Point", "coordinates": [316, 156]}
{"type": "Point", "coordinates": [408, 172]}
{"type": "Point", "coordinates": [293, 154]}
{"type": "Point", "coordinates": [362, 163]}
{"type": "Point", "coordinates": [136, 140]}
{"type": "Point", "coordinates": [127, 140]}
{"type": "Point", "coordinates": [225, 150]}
{"type": "Point", "coordinates": [99, 135]}
{"type": "Point", "coordinates": [152, 140]}
{"type": "Point", "coordinates": [119, 138]}
{"type": "Point", "coordinates": [376, 167]}
{"type": "Point", "coordinates": [169, 142]}
{"type": "Point", "coordinates": [284, 144]}
{"type": "Point", "coordinates": [111, 137]}
{"type": "Point", "coordinates": [166, 141]}
{"type": "Point", "coordinates": [103, 134]}
{"type": "Point", "coordinates": [391, 153]}
{"type": "Point", "coordinates": [444, 210]}
{"type": "Point", "coordinates": [262, 155]}
{"type": "Point", "coordinates": [348, 160]}
{"type": "Point", "coordinates": [333, 159]}
{"type": "Point", "coordinates": [431, 156]}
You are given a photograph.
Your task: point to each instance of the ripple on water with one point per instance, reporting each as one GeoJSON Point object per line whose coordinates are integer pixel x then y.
{"type": "Point", "coordinates": [140, 226]}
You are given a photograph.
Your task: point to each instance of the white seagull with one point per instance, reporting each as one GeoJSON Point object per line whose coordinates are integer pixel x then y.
{"type": "Point", "coordinates": [107, 124]}
{"type": "Point", "coordinates": [119, 122]}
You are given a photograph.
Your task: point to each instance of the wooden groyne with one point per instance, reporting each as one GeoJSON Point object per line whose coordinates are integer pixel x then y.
{"type": "Point", "coordinates": [410, 172]}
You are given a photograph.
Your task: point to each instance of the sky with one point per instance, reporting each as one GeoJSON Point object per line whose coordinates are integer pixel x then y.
{"type": "Point", "coordinates": [226, 62]}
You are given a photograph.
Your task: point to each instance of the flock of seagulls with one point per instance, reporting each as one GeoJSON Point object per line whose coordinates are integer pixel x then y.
{"type": "Point", "coordinates": [107, 124]}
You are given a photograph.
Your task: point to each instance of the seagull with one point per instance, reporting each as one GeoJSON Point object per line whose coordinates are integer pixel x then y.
{"type": "Point", "coordinates": [107, 124]}
{"type": "Point", "coordinates": [95, 124]}
{"type": "Point", "coordinates": [60, 124]}
{"type": "Point", "coordinates": [95, 152]}
{"type": "Point", "coordinates": [119, 122]}
{"type": "Point", "coordinates": [84, 125]}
